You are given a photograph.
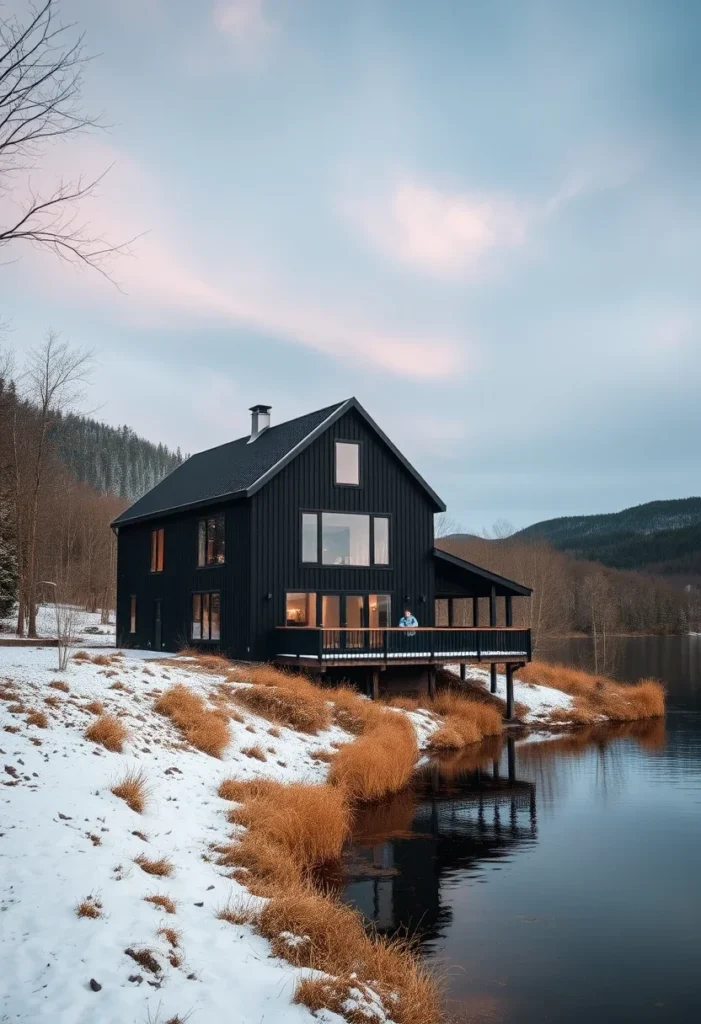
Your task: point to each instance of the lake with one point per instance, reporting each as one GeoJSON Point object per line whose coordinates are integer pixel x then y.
{"type": "Point", "coordinates": [556, 880]}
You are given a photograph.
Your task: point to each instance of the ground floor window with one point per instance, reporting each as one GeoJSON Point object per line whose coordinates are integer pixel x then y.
{"type": "Point", "coordinates": [206, 616]}
{"type": "Point", "coordinates": [132, 615]}
{"type": "Point", "coordinates": [300, 609]}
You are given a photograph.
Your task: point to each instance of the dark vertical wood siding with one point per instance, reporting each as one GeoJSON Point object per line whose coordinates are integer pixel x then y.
{"type": "Point", "coordinates": [181, 578]}
{"type": "Point", "coordinates": [307, 483]}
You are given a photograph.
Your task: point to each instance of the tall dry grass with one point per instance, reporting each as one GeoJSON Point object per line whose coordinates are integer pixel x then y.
{"type": "Point", "coordinates": [465, 721]}
{"type": "Point", "coordinates": [109, 731]}
{"type": "Point", "coordinates": [597, 696]}
{"type": "Point", "coordinates": [205, 729]}
{"type": "Point", "coordinates": [284, 698]}
{"type": "Point", "coordinates": [380, 762]}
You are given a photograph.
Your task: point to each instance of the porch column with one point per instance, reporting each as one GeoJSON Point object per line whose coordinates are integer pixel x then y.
{"type": "Point", "coordinates": [493, 678]}
{"type": "Point", "coordinates": [508, 610]}
{"type": "Point", "coordinates": [432, 681]}
{"type": "Point", "coordinates": [509, 693]}
{"type": "Point", "coordinates": [475, 611]}
{"type": "Point", "coordinates": [493, 607]}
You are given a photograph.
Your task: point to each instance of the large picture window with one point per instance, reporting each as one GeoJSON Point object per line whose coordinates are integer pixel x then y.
{"type": "Point", "coordinates": [157, 541]}
{"type": "Point", "coordinates": [132, 614]}
{"type": "Point", "coordinates": [206, 616]}
{"type": "Point", "coordinates": [347, 463]}
{"type": "Point", "coordinates": [210, 541]}
{"type": "Point", "coordinates": [380, 611]}
{"type": "Point", "coordinates": [300, 609]}
{"type": "Point", "coordinates": [343, 538]}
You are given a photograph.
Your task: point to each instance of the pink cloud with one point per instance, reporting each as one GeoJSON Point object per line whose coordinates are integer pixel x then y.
{"type": "Point", "coordinates": [441, 233]}
{"type": "Point", "coordinates": [162, 281]}
{"type": "Point", "coordinates": [244, 22]}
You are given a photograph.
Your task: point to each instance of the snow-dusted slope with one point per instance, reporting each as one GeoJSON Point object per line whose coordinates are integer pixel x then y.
{"type": "Point", "coordinates": [541, 701]}
{"type": "Point", "coordinates": [65, 837]}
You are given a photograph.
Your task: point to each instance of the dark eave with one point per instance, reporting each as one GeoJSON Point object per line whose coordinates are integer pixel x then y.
{"type": "Point", "coordinates": [493, 579]}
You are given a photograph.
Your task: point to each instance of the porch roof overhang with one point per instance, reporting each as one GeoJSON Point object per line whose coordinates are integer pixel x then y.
{"type": "Point", "coordinates": [457, 578]}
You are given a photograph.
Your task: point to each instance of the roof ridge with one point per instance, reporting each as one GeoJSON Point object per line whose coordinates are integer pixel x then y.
{"type": "Point", "coordinates": [274, 426]}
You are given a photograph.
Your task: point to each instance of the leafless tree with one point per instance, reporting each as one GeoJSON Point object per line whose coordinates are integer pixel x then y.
{"type": "Point", "coordinates": [445, 525]}
{"type": "Point", "coordinates": [52, 382]}
{"type": "Point", "coordinates": [41, 83]}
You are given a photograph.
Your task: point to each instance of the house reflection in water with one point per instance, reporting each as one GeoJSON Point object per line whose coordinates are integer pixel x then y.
{"type": "Point", "coordinates": [462, 813]}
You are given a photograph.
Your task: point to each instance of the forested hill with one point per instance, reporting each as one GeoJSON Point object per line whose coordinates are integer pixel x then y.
{"type": "Point", "coordinates": [660, 536]}
{"type": "Point", "coordinates": [111, 459]}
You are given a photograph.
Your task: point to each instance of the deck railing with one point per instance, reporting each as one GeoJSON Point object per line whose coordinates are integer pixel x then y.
{"type": "Point", "coordinates": [393, 644]}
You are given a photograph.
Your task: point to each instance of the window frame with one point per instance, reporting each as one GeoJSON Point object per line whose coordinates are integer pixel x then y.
{"type": "Point", "coordinates": [315, 605]}
{"type": "Point", "coordinates": [201, 594]}
{"type": "Point", "coordinates": [158, 548]}
{"type": "Point", "coordinates": [207, 520]}
{"type": "Point", "coordinates": [319, 564]}
{"type": "Point", "coordinates": [359, 446]}
{"type": "Point", "coordinates": [133, 605]}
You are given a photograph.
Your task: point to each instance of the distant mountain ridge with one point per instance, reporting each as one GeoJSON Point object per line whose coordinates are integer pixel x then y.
{"type": "Point", "coordinates": [660, 536]}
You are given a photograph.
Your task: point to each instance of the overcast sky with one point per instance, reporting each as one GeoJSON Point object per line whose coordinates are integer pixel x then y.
{"type": "Point", "coordinates": [483, 219]}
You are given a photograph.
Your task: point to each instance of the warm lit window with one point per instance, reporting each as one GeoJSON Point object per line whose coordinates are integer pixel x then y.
{"type": "Point", "coordinates": [347, 463]}
{"type": "Point", "coordinates": [157, 539]}
{"type": "Point", "coordinates": [380, 611]}
{"type": "Point", "coordinates": [310, 537]}
{"type": "Point", "coordinates": [206, 617]}
{"type": "Point", "coordinates": [380, 542]}
{"type": "Point", "coordinates": [300, 610]}
{"type": "Point", "coordinates": [345, 539]}
{"type": "Point", "coordinates": [132, 615]}
{"type": "Point", "coordinates": [210, 541]}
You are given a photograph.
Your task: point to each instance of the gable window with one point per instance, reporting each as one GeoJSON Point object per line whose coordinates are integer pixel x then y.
{"type": "Point", "coordinates": [300, 610]}
{"type": "Point", "coordinates": [157, 540]}
{"type": "Point", "coordinates": [348, 463]}
{"type": "Point", "coordinates": [206, 616]}
{"type": "Point", "coordinates": [210, 541]}
{"type": "Point", "coordinates": [132, 614]}
{"type": "Point", "coordinates": [380, 540]}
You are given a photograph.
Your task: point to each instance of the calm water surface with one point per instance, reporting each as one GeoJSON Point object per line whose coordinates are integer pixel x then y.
{"type": "Point", "coordinates": [558, 880]}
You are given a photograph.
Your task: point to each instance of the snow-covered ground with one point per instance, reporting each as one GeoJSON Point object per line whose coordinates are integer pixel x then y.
{"type": "Point", "coordinates": [541, 701]}
{"type": "Point", "coordinates": [65, 837]}
{"type": "Point", "coordinates": [85, 626]}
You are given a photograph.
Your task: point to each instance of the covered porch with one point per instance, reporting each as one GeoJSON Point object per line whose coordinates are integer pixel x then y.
{"type": "Point", "coordinates": [458, 634]}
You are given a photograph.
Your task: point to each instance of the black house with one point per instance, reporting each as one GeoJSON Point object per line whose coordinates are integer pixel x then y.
{"type": "Point", "coordinates": [303, 543]}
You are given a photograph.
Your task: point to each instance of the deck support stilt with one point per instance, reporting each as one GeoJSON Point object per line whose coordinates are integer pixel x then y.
{"type": "Point", "coordinates": [492, 678]}
{"type": "Point", "coordinates": [509, 693]}
{"type": "Point", "coordinates": [511, 757]}
{"type": "Point", "coordinates": [463, 671]}
{"type": "Point", "coordinates": [432, 681]}
{"type": "Point", "coordinates": [375, 684]}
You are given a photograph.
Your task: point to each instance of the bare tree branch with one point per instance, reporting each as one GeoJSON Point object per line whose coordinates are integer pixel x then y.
{"type": "Point", "coordinates": [41, 85]}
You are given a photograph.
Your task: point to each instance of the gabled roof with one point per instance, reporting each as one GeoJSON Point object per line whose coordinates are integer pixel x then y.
{"type": "Point", "coordinates": [238, 468]}
{"type": "Point", "coordinates": [478, 580]}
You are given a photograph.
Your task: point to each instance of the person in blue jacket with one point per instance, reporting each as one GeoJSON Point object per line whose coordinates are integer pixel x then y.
{"type": "Point", "coordinates": [408, 620]}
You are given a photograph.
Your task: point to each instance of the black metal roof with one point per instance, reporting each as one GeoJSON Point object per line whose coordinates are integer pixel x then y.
{"type": "Point", "coordinates": [474, 578]}
{"type": "Point", "coordinates": [239, 468]}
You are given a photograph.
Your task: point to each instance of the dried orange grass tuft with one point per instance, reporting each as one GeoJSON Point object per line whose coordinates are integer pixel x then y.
{"type": "Point", "coordinates": [205, 729]}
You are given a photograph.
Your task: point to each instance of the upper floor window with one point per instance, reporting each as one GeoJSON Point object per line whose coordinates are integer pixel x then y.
{"type": "Point", "coordinates": [210, 541]}
{"type": "Point", "coordinates": [157, 539]}
{"type": "Point", "coordinates": [343, 538]}
{"type": "Point", "coordinates": [348, 463]}
{"type": "Point", "coordinates": [132, 614]}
